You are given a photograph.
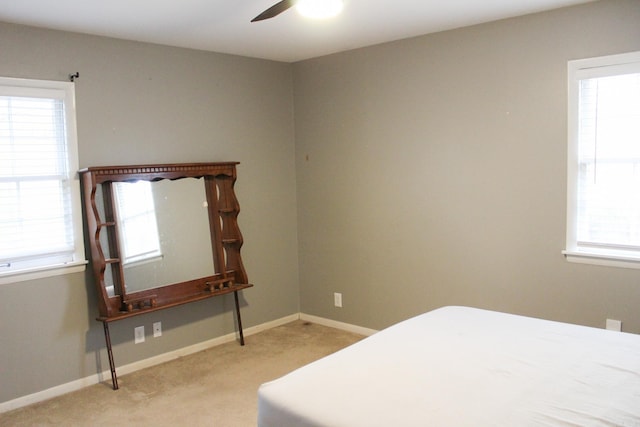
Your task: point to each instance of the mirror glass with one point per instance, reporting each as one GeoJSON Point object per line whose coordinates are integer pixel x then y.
{"type": "Point", "coordinates": [184, 249]}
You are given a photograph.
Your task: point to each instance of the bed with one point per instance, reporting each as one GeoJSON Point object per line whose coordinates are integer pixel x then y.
{"type": "Point", "coordinates": [461, 366]}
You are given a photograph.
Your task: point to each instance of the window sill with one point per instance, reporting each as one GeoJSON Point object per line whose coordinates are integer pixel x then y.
{"type": "Point", "coordinates": [42, 272]}
{"type": "Point", "coordinates": [607, 260]}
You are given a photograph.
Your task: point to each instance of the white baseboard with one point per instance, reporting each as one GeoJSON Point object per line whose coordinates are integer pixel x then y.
{"type": "Point", "coordinates": [49, 393]}
{"type": "Point", "coordinates": [338, 325]}
{"type": "Point", "coordinates": [165, 357]}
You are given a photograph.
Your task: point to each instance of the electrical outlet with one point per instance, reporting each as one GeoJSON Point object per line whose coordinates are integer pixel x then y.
{"type": "Point", "coordinates": [614, 325]}
{"type": "Point", "coordinates": [157, 329]}
{"type": "Point", "coordinates": [138, 333]}
{"type": "Point", "coordinates": [337, 299]}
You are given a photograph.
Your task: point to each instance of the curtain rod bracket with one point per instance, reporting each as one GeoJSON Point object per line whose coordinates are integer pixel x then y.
{"type": "Point", "coordinates": [74, 76]}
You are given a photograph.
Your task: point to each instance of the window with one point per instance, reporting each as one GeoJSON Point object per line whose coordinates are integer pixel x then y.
{"type": "Point", "coordinates": [137, 220]}
{"type": "Point", "coordinates": [603, 207]}
{"type": "Point", "coordinates": [40, 217]}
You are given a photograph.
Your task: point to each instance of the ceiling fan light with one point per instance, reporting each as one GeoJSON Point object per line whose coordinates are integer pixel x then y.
{"type": "Point", "coordinates": [319, 9]}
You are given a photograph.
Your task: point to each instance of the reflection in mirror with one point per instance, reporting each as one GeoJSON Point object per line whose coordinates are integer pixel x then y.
{"type": "Point", "coordinates": [182, 233]}
{"type": "Point", "coordinates": [183, 228]}
{"type": "Point", "coordinates": [137, 222]}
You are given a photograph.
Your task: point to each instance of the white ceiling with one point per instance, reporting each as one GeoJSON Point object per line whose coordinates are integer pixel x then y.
{"type": "Point", "coordinates": [224, 25]}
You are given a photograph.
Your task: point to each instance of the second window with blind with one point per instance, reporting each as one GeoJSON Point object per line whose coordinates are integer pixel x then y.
{"type": "Point", "coordinates": [603, 208]}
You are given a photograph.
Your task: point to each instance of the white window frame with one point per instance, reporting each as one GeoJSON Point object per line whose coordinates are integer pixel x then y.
{"type": "Point", "coordinates": [583, 69]}
{"type": "Point", "coordinates": [66, 92]}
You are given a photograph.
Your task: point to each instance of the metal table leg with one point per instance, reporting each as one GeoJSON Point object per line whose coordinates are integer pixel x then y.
{"type": "Point", "coordinates": [112, 365]}
{"type": "Point", "coordinates": [235, 295]}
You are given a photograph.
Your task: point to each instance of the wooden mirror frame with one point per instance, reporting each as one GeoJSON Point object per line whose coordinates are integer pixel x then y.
{"type": "Point", "coordinates": [226, 240]}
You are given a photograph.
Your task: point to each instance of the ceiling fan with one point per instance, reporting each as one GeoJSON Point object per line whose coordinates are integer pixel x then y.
{"type": "Point", "coordinates": [310, 8]}
{"type": "Point", "coordinates": [275, 10]}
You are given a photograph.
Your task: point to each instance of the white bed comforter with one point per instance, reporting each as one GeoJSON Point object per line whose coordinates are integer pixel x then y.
{"type": "Point", "coordinates": [459, 366]}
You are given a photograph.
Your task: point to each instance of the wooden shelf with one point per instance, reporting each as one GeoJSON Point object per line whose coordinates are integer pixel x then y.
{"type": "Point", "coordinates": [174, 303]}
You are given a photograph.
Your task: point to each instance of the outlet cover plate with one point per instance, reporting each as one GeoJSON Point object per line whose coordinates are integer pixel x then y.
{"type": "Point", "coordinates": [157, 329]}
{"type": "Point", "coordinates": [337, 299]}
{"type": "Point", "coordinates": [614, 325]}
{"type": "Point", "coordinates": [138, 333]}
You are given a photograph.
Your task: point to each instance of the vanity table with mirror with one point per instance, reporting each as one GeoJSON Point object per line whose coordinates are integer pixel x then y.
{"type": "Point", "coordinates": [160, 236]}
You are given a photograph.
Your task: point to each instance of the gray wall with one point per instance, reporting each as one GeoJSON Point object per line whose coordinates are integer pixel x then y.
{"type": "Point", "coordinates": [141, 103]}
{"type": "Point", "coordinates": [432, 171]}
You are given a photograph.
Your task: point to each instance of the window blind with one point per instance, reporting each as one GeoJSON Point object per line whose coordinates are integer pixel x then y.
{"type": "Point", "coordinates": [36, 218]}
{"type": "Point", "coordinates": [608, 193]}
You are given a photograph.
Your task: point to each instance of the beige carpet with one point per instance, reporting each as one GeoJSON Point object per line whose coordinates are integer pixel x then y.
{"type": "Point", "coordinates": [216, 387]}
